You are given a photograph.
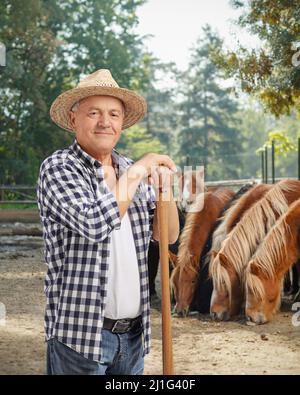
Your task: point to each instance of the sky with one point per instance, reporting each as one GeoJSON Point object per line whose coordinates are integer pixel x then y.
{"type": "Point", "coordinates": [176, 25]}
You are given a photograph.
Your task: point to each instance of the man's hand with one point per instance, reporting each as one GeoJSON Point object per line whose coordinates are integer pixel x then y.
{"type": "Point", "coordinates": [149, 166]}
{"type": "Point", "coordinates": [150, 162]}
{"type": "Point", "coordinates": [153, 165]}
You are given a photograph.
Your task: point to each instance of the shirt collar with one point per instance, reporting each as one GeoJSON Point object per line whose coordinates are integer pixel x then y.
{"type": "Point", "coordinates": [120, 162]}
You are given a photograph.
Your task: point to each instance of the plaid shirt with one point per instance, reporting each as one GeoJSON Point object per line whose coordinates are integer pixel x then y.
{"type": "Point", "coordinates": [78, 212]}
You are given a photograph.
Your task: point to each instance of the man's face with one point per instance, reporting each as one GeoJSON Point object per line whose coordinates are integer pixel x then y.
{"type": "Point", "coordinates": [98, 123]}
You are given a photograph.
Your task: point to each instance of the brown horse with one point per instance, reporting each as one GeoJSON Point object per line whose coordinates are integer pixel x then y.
{"type": "Point", "coordinates": [266, 269]}
{"type": "Point", "coordinates": [227, 268]}
{"type": "Point", "coordinates": [200, 222]}
{"type": "Point", "coordinates": [234, 214]}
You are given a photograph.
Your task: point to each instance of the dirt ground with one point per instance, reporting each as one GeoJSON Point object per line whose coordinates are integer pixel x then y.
{"type": "Point", "coordinates": [200, 346]}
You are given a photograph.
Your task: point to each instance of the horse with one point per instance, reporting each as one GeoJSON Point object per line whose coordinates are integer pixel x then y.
{"type": "Point", "coordinates": [204, 213]}
{"type": "Point", "coordinates": [227, 267]}
{"type": "Point", "coordinates": [234, 214]}
{"type": "Point", "coordinates": [204, 286]}
{"type": "Point", "coordinates": [265, 271]}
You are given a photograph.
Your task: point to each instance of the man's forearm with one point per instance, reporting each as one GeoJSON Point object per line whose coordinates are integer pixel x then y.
{"type": "Point", "coordinates": [126, 187]}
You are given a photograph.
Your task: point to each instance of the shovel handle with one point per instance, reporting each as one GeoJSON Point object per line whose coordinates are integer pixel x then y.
{"type": "Point", "coordinates": [162, 212]}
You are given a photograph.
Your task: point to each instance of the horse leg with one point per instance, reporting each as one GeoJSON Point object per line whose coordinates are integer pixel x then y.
{"type": "Point", "coordinates": [295, 280]}
{"type": "Point", "coordinates": [297, 271]}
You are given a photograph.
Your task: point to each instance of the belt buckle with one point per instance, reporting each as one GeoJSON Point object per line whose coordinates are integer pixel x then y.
{"type": "Point", "coordinates": [120, 323]}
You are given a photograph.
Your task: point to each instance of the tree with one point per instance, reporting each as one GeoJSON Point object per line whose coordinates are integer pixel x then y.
{"type": "Point", "coordinates": [272, 72]}
{"type": "Point", "coordinates": [50, 45]}
{"type": "Point", "coordinates": [162, 119]}
{"type": "Point", "coordinates": [136, 142]}
{"type": "Point", "coordinates": [209, 135]}
{"type": "Point", "coordinates": [30, 46]}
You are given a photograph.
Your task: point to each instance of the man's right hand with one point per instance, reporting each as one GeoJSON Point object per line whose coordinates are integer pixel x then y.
{"type": "Point", "coordinates": [149, 166]}
{"type": "Point", "coordinates": [151, 162]}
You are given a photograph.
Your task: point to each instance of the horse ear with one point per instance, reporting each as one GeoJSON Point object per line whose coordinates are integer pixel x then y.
{"type": "Point", "coordinates": [213, 253]}
{"type": "Point", "coordinates": [223, 259]}
{"type": "Point", "coordinates": [254, 269]}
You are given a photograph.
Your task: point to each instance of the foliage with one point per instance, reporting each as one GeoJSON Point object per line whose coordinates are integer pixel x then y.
{"type": "Point", "coordinates": [136, 142]}
{"type": "Point", "coordinates": [272, 72]}
{"type": "Point", "coordinates": [50, 45]}
{"type": "Point", "coordinates": [162, 121]}
{"type": "Point", "coordinates": [283, 145]}
{"type": "Point", "coordinates": [209, 134]}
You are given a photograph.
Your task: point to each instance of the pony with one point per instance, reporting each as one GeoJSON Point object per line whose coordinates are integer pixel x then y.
{"type": "Point", "coordinates": [234, 213]}
{"type": "Point", "coordinates": [219, 302]}
{"type": "Point", "coordinates": [265, 271]}
{"type": "Point", "coordinates": [200, 221]}
{"type": "Point", "coordinates": [204, 286]}
{"type": "Point", "coordinates": [227, 267]}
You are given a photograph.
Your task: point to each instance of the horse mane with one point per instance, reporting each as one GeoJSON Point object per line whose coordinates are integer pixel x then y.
{"type": "Point", "coordinates": [272, 250]}
{"type": "Point", "coordinates": [240, 243]}
{"type": "Point", "coordinates": [217, 197]}
{"type": "Point", "coordinates": [250, 197]}
{"type": "Point", "coordinates": [218, 236]}
{"type": "Point", "coordinates": [220, 277]}
{"type": "Point", "coordinates": [233, 213]}
{"type": "Point", "coordinates": [172, 281]}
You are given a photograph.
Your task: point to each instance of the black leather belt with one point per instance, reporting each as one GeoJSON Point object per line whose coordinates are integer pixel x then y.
{"type": "Point", "coordinates": [123, 325]}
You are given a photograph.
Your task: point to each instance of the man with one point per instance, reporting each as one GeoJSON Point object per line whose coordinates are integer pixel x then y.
{"type": "Point", "coordinates": [98, 214]}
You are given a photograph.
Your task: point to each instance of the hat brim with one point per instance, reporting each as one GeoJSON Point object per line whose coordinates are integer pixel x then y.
{"type": "Point", "coordinates": [135, 105]}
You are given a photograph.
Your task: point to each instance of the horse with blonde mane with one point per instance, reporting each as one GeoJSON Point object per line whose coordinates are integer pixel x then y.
{"type": "Point", "coordinates": [227, 267]}
{"type": "Point", "coordinates": [205, 211]}
{"type": "Point", "coordinates": [266, 269]}
{"type": "Point", "coordinates": [204, 287]}
{"type": "Point", "coordinates": [234, 214]}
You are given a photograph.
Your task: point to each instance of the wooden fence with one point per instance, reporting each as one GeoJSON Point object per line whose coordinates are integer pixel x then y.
{"type": "Point", "coordinates": [24, 194]}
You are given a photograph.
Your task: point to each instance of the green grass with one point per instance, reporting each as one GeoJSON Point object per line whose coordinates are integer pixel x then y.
{"type": "Point", "coordinates": [19, 206]}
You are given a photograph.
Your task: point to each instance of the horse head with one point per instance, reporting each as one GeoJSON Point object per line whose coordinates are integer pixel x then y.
{"type": "Point", "coordinates": [262, 294]}
{"type": "Point", "coordinates": [184, 281]}
{"type": "Point", "coordinates": [227, 296]}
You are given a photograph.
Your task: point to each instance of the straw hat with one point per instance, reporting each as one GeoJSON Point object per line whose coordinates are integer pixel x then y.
{"type": "Point", "coordinates": [100, 82]}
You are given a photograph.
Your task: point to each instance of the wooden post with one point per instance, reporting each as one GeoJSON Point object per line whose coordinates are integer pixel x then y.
{"type": "Point", "coordinates": [298, 158]}
{"type": "Point", "coordinates": [266, 164]}
{"type": "Point", "coordinates": [165, 283]}
{"type": "Point", "coordinates": [273, 162]}
{"type": "Point", "coordinates": [262, 166]}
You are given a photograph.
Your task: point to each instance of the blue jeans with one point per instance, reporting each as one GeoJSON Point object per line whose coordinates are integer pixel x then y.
{"type": "Point", "coordinates": [121, 354]}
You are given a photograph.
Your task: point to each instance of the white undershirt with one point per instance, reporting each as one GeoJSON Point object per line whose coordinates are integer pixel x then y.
{"type": "Point", "coordinates": [123, 290]}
